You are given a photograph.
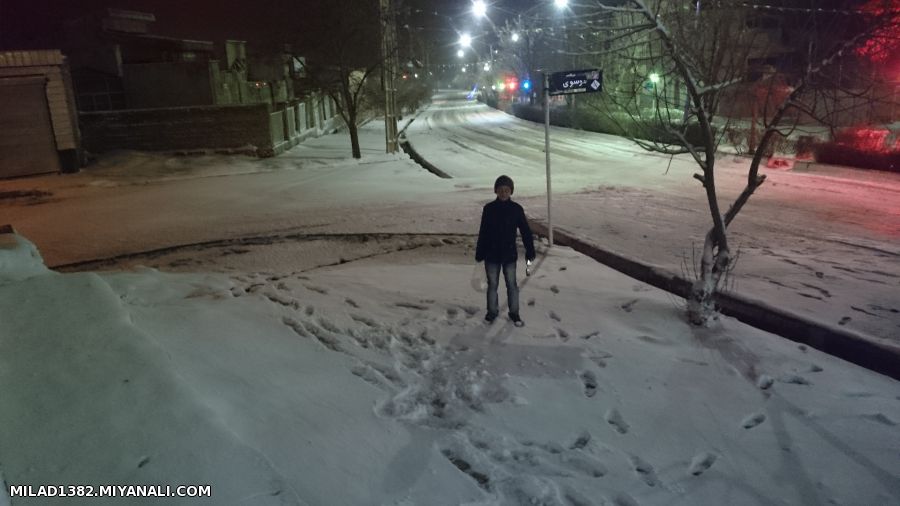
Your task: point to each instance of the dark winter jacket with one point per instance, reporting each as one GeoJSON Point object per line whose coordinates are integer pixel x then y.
{"type": "Point", "coordinates": [497, 236]}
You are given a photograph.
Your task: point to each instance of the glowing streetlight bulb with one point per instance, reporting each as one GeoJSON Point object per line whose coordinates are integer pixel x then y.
{"type": "Point", "coordinates": [479, 8]}
{"type": "Point", "coordinates": [460, 53]}
{"type": "Point", "coordinates": [487, 67]}
{"type": "Point", "coordinates": [561, 4]}
{"type": "Point", "coordinates": [654, 78]}
{"type": "Point", "coordinates": [515, 37]}
{"type": "Point", "coordinates": [464, 70]}
{"type": "Point", "coordinates": [465, 40]}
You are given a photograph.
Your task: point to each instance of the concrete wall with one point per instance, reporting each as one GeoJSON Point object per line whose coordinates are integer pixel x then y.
{"type": "Point", "coordinates": [179, 128]}
{"type": "Point", "coordinates": [168, 84]}
{"type": "Point", "coordinates": [254, 128]}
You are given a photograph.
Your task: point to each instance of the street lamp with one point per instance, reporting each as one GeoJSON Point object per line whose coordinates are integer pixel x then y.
{"type": "Point", "coordinates": [460, 53]}
{"type": "Point", "coordinates": [561, 4]}
{"type": "Point", "coordinates": [465, 40]}
{"type": "Point", "coordinates": [515, 37]}
{"type": "Point", "coordinates": [479, 8]}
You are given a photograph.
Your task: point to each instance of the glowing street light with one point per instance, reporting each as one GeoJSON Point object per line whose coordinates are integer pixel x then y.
{"type": "Point", "coordinates": [479, 8]}
{"type": "Point", "coordinates": [460, 53]}
{"type": "Point", "coordinates": [654, 78]}
{"type": "Point", "coordinates": [515, 37]}
{"type": "Point", "coordinates": [487, 67]}
{"type": "Point", "coordinates": [561, 4]}
{"type": "Point", "coordinates": [465, 40]}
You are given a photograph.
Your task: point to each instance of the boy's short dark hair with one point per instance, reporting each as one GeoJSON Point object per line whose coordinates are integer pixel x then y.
{"type": "Point", "coordinates": [504, 180]}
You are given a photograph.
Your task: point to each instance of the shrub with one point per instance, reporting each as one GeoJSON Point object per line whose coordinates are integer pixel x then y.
{"type": "Point", "coordinates": [866, 148]}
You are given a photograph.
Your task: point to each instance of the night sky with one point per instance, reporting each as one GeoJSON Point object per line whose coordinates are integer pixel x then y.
{"type": "Point", "coordinates": [36, 24]}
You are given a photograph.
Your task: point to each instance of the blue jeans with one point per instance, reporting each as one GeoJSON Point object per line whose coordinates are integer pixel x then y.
{"type": "Point", "coordinates": [512, 289]}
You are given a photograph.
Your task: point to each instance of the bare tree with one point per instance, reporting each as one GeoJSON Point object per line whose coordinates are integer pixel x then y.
{"type": "Point", "coordinates": [343, 52]}
{"type": "Point", "coordinates": [658, 50]}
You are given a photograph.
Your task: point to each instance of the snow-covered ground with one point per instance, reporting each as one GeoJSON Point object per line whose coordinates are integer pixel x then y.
{"type": "Point", "coordinates": [256, 367]}
{"type": "Point", "coordinates": [376, 382]}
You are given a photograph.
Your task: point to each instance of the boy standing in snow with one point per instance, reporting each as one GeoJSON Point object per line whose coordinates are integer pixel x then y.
{"type": "Point", "coordinates": [497, 247]}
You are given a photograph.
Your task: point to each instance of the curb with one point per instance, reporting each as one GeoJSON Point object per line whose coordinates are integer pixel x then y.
{"type": "Point", "coordinates": [236, 241]}
{"type": "Point", "coordinates": [408, 149]}
{"type": "Point", "coordinates": [850, 346]}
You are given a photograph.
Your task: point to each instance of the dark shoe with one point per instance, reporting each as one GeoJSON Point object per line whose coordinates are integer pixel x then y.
{"type": "Point", "coordinates": [490, 317]}
{"type": "Point", "coordinates": [517, 321]}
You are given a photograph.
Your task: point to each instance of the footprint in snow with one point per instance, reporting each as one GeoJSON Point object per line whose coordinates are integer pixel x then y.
{"type": "Point", "coordinates": [644, 470]}
{"type": "Point", "coordinates": [316, 289]}
{"type": "Point", "coordinates": [845, 320]}
{"type": "Point", "coordinates": [590, 383]}
{"type": "Point", "coordinates": [328, 325]}
{"type": "Point", "coordinates": [554, 289]}
{"type": "Point", "coordinates": [309, 310]}
{"type": "Point", "coordinates": [481, 478]}
{"type": "Point", "coordinates": [753, 420]}
{"type": "Point", "coordinates": [562, 334]}
{"type": "Point", "coordinates": [412, 305]}
{"type": "Point", "coordinates": [574, 498]}
{"type": "Point", "coordinates": [370, 375]}
{"type": "Point", "coordinates": [352, 303]}
{"type": "Point", "coordinates": [555, 316]}
{"type": "Point", "coordinates": [470, 310]}
{"type": "Point", "coordinates": [624, 499]}
{"type": "Point", "coordinates": [629, 306]}
{"type": "Point", "coordinates": [701, 462]}
{"type": "Point", "coordinates": [530, 302]}
{"type": "Point", "coordinates": [328, 341]}
{"type": "Point", "coordinates": [284, 301]}
{"type": "Point", "coordinates": [600, 357]}
{"type": "Point", "coordinates": [296, 326]}
{"type": "Point", "coordinates": [614, 418]}
{"type": "Point", "coordinates": [452, 312]}
{"type": "Point", "coordinates": [881, 418]}
{"type": "Point", "coordinates": [585, 465]}
{"type": "Point", "coordinates": [365, 320]}
{"type": "Point", "coordinates": [794, 379]}
{"type": "Point", "coordinates": [764, 382]}
{"type": "Point", "coordinates": [815, 368]}
{"type": "Point", "coordinates": [581, 441]}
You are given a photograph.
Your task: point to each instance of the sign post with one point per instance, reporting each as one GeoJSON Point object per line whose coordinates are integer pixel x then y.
{"type": "Point", "coordinates": [564, 83]}
{"type": "Point", "coordinates": [547, 152]}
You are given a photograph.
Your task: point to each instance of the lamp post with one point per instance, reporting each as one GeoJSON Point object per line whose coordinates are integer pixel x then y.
{"type": "Point", "coordinates": [388, 68]}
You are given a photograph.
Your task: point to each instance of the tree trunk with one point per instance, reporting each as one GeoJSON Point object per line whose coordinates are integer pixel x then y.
{"type": "Point", "coordinates": [701, 307]}
{"type": "Point", "coordinates": [354, 139]}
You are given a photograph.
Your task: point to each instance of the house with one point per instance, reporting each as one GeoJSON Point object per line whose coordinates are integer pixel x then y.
{"type": "Point", "coordinates": [139, 90]}
{"type": "Point", "coordinates": [38, 128]}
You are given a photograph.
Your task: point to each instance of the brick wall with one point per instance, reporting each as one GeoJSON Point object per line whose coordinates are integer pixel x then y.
{"type": "Point", "coordinates": [178, 128]}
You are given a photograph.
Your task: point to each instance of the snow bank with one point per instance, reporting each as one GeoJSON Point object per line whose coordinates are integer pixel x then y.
{"type": "Point", "coordinates": [19, 259]}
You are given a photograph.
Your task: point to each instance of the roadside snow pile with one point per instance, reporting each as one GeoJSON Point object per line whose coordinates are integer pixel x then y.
{"type": "Point", "coordinates": [19, 259]}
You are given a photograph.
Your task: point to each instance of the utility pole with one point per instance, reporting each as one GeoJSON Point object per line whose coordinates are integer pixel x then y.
{"type": "Point", "coordinates": [388, 69]}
